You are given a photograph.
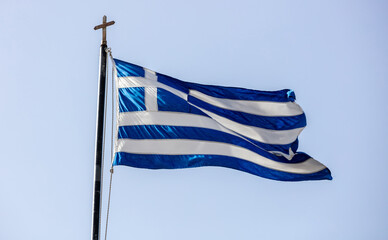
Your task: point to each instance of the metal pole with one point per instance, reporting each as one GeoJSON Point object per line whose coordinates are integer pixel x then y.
{"type": "Point", "coordinates": [98, 166]}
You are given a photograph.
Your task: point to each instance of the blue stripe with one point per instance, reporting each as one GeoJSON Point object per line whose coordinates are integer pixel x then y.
{"type": "Point", "coordinates": [125, 69]}
{"type": "Point", "coordinates": [285, 95]}
{"type": "Point", "coordinates": [243, 93]}
{"type": "Point", "coordinates": [173, 82]}
{"type": "Point", "coordinates": [131, 99]}
{"type": "Point", "coordinates": [153, 161]}
{"type": "Point", "coordinates": [284, 148]}
{"type": "Point", "coordinates": [273, 123]}
{"type": "Point", "coordinates": [168, 101]}
{"type": "Point", "coordinates": [196, 133]}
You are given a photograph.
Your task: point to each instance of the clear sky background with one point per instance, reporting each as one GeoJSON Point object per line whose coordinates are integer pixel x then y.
{"type": "Point", "coordinates": [334, 54]}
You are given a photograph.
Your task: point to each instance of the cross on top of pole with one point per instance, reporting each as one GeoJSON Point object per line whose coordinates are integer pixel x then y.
{"type": "Point", "coordinates": [103, 26]}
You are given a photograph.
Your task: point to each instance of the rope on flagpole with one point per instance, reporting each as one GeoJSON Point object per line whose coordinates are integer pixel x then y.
{"type": "Point", "coordinates": [108, 50]}
{"type": "Point", "coordinates": [107, 210]}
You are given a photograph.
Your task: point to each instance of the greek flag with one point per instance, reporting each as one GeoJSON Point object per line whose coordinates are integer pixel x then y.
{"type": "Point", "coordinates": [166, 123]}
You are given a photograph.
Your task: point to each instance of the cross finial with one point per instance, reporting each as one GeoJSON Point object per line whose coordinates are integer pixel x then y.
{"type": "Point", "coordinates": [103, 26]}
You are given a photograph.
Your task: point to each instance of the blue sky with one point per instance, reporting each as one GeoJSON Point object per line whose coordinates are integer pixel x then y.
{"type": "Point", "coordinates": [334, 54]}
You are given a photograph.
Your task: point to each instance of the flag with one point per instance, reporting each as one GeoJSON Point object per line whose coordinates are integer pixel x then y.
{"type": "Point", "coordinates": [166, 123]}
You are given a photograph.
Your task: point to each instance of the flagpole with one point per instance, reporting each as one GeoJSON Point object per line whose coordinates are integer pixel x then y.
{"type": "Point", "coordinates": [98, 164]}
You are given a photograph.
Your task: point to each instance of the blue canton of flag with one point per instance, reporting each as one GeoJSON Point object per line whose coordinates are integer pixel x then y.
{"type": "Point", "coordinates": [165, 123]}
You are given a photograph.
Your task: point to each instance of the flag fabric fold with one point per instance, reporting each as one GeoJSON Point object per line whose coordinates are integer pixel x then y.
{"type": "Point", "coordinates": [166, 123]}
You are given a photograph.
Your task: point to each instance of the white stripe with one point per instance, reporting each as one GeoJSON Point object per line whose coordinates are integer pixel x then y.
{"type": "Point", "coordinates": [188, 147]}
{"type": "Point", "coordinates": [170, 119]}
{"type": "Point", "coordinates": [151, 93]}
{"type": "Point", "coordinates": [263, 108]}
{"type": "Point", "coordinates": [151, 98]}
{"type": "Point", "coordinates": [288, 156]}
{"type": "Point", "coordinates": [260, 134]}
{"type": "Point", "coordinates": [149, 74]}
{"type": "Point", "coordinates": [193, 120]}
{"type": "Point", "coordinates": [126, 82]}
